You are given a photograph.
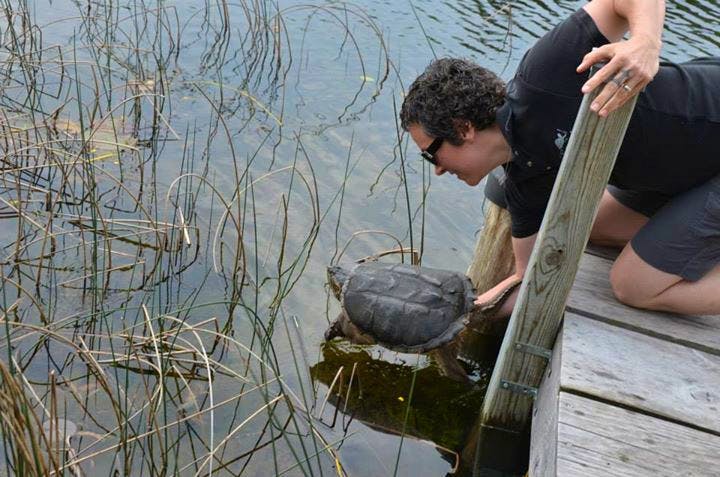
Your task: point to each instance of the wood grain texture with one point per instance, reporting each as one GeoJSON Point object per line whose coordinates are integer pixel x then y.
{"type": "Point", "coordinates": [583, 174]}
{"type": "Point", "coordinates": [493, 259]}
{"type": "Point", "coordinates": [591, 295]}
{"type": "Point", "coordinates": [641, 372]}
{"type": "Point", "coordinates": [597, 439]}
{"type": "Point", "coordinates": [543, 439]}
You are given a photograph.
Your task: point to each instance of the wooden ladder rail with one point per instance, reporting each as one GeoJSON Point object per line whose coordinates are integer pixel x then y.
{"type": "Point", "coordinates": [536, 318]}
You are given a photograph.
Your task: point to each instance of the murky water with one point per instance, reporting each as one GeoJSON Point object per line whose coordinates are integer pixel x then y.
{"type": "Point", "coordinates": [272, 128]}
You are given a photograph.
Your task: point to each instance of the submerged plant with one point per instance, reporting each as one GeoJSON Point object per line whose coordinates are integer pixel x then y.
{"type": "Point", "coordinates": [142, 301]}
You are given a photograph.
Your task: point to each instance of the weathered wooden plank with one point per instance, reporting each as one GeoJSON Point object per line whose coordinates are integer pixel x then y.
{"type": "Point", "coordinates": [583, 174]}
{"type": "Point", "coordinates": [543, 439]}
{"type": "Point", "coordinates": [592, 296]}
{"type": "Point", "coordinates": [597, 439]}
{"type": "Point", "coordinates": [642, 372]}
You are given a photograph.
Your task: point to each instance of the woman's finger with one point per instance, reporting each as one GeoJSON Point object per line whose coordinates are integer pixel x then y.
{"type": "Point", "coordinates": [622, 77]}
{"type": "Point", "coordinates": [608, 91]}
{"type": "Point", "coordinates": [605, 52]}
{"type": "Point", "coordinates": [622, 94]}
{"type": "Point", "coordinates": [602, 76]}
{"type": "Point", "coordinates": [617, 85]}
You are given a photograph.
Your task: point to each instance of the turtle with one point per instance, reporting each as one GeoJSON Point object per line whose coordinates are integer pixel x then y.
{"type": "Point", "coordinates": [408, 308]}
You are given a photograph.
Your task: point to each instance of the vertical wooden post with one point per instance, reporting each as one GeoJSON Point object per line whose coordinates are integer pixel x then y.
{"type": "Point", "coordinates": [493, 262]}
{"type": "Point", "coordinates": [585, 170]}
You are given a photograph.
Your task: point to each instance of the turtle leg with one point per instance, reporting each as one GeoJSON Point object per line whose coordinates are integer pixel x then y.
{"type": "Point", "coordinates": [446, 358]}
{"type": "Point", "coordinates": [343, 327]}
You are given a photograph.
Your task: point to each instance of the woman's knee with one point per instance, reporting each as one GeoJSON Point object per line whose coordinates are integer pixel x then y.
{"type": "Point", "coordinates": [636, 283]}
{"type": "Point", "coordinates": [625, 289]}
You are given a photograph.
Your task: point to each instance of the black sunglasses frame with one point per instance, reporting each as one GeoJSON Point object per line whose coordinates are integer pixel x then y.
{"type": "Point", "coordinates": [429, 153]}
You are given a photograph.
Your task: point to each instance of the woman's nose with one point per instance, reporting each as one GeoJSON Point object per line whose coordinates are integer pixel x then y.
{"type": "Point", "coordinates": [439, 170]}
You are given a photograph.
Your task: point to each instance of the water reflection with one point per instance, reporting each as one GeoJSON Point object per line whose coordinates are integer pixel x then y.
{"type": "Point", "coordinates": [377, 393]}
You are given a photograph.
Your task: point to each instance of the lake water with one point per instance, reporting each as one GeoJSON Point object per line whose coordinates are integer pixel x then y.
{"type": "Point", "coordinates": [271, 127]}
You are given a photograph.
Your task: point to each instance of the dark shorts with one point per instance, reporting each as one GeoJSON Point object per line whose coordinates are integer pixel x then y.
{"type": "Point", "coordinates": [682, 236]}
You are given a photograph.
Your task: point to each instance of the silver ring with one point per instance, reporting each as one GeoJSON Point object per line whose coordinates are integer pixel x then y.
{"type": "Point", "coordinates": [620, 78]}
{"type": "Point", "coordinates": [627, 88]}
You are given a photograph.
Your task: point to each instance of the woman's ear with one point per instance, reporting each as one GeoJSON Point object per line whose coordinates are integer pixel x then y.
{"type": "Point", "coordinates": [465, 129]}
{"type": "Point", "coordinates": [468, 132]}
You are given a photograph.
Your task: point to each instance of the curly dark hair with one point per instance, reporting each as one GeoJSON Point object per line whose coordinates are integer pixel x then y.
{"type": "Point", "coordinates": [448, 94]}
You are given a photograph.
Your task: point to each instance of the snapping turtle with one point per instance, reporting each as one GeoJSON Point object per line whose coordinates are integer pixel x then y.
{"type": "Point", "coordinates": [408, 309]}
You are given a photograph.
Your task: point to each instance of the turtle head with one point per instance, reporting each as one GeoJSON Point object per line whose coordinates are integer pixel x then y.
{"type": "Point", "coordinates": [334, 330]}
{"type": "Point", "coordinates": [336, 278]}
{"type": "Point", "coordinates": [344, 328]}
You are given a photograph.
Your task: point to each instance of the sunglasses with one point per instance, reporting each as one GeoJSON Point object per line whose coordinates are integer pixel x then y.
{"type": "Point", "coordinates": [429, 153]}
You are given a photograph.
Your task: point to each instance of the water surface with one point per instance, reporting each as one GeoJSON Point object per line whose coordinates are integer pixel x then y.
{"type": "Point", "coordinates": [272, 127]}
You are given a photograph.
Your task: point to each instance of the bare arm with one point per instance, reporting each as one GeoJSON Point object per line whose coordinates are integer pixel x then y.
{"type": "Point", "coordinates": [632, 64]}
{"type": "Point", "coordinates": [522, 248]}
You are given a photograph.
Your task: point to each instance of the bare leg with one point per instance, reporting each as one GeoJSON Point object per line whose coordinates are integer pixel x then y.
{"type": "Point", "coordinates": [615, 224]}
{"type": "Point", "coordinates": [637, 283]}
{"type": "Point", "coordinates": [446, 358]}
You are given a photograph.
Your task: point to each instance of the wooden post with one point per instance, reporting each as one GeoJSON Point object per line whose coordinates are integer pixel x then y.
{"type": "Point", "coordinates": [585, 170]}
{"type": "Point", "coordinates": [493, 262]}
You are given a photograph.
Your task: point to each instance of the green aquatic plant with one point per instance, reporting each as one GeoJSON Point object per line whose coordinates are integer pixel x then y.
{"type": "Point", "coordinates": [150, 255]}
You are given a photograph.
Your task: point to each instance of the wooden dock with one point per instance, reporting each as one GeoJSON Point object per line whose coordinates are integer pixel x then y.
{"type": "Point", "coordinates": [627, 392]}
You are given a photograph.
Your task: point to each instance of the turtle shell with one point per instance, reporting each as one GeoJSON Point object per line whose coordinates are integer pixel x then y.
{"type": "Point", "coordinates": [407, 308]}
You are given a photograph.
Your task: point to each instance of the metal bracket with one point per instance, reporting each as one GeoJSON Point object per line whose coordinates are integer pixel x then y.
{"type": "Point", "coordinates": [534, 350]}
{"type": "Point", "coordinates": [519, 388]}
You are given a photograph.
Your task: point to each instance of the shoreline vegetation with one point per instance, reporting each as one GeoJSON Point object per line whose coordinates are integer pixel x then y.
{"type": "Point", "coordinates": [143, 296]}
{"type": "Point", "coordinates": [174, 179]}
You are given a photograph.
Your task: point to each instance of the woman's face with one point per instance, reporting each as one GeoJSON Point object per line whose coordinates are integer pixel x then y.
{"type": "Point", "coordinates": [480, 152]}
